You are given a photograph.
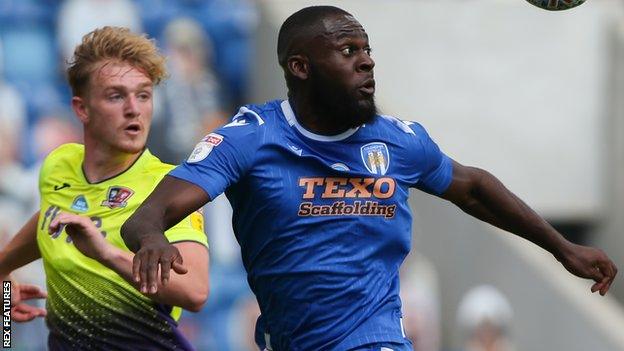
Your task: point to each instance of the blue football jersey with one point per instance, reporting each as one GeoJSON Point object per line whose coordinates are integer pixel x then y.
{"type": "Point", "coordinates": [323, 221]}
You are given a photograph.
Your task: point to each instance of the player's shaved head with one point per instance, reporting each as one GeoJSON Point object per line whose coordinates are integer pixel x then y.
{"type": "Point", "coordinates": [302, 26]}
{"type": "Point", "coordinates": [325, 54]}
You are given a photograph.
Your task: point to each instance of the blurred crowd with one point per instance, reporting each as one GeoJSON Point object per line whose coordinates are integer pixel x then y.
{"type": "Point", "coordinates": [209, 50]}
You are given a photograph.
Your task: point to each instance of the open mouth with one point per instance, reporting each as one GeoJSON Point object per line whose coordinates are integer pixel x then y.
{"type": "Point", "coordinates": [368, 88]}
{"type": "Point", "coordinates": [133, 128]}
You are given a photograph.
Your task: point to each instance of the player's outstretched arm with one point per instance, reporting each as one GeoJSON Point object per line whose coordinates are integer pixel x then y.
{"type": "Point", "coordinates": [22, 249]}
{"type": "Point", "coordinates": [483, 196]}
{"type": "Point", "coordinates": [188, 291]}
{"type": "Point", "coordinates": [171, 201]}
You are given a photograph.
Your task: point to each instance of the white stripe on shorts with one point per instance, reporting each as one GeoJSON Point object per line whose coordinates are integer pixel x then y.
{"type": "Point", "coordinates": [267, 342]}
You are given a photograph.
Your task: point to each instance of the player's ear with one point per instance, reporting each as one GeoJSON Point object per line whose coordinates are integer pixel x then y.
{"type": "Point", "coordinates": [299, 66]}
{"type": "Point", "coordinates": [80, 108]}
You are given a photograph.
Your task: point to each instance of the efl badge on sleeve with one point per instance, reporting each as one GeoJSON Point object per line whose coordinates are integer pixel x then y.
{"type": "Point", "coordinates": [204, 147]}
{"type": "Point", "coordinates": [117, 197]}
{"type": "Point", "coordinates": [80, 204]}
{"type": "Point", "coordinates": [376, 157]}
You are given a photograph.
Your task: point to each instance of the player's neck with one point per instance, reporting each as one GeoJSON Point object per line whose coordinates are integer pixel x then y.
{"type": "Point", "coordinates": [100, 164]}
{"type": "Point", "coordinates": [314, 118]}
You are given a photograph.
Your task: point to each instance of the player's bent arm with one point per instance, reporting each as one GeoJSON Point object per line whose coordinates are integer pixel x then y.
{"type": "Point", "coordinates": [171, 201]}
{"type": "Point", "coordinates": [22, 249]}
{"type": "Point", "coordinates": [480, 194]}
{"type": "Point", "coordinates": [189, 291]}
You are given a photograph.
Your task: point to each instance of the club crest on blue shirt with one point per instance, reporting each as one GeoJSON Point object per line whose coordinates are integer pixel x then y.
{"type": "Point", "coordinates": [376, 157]}
{"type": "Point", "coordinates": [117, 197]}
{"type": "Point", "coordinates": [80, 204]}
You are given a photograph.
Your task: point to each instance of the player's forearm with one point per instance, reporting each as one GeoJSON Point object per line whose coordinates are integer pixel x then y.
{"type": "Point", "coordinates": [22, 249]}
{"type": "Point", "coordinates": [147, 221]}
{"type": "Point", "coordinates": [187, 291]}
{"type": "Point", "coordinates": [171, 201]}
{"type": "Point", "coordinates": [492, 202]}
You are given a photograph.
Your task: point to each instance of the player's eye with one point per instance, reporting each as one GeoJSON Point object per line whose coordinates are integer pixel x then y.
{"type": "Point", "coordinates": [144, 96]}
{"type": "Point", "coordinates": [348, 51]}
{"type": "Point", "coordinates": [115, 97]}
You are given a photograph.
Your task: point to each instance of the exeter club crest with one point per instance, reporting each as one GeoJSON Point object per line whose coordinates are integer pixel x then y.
{"type": "Point", "coordinates": [117, 197]}
{"type": "Point", "coordinates": [376, 157]}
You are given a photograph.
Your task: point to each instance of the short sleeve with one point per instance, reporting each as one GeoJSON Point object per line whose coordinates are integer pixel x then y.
{"type": "Point", "coordinates": [190, 228]}
{"type": "Point", "coordinates": [221, 158]}
{"type": "Point", "coordinates": [434, 167]}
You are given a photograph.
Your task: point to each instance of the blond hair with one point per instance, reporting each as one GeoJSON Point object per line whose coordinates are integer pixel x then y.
{"type": "Point", "coordinates": [114, 44]}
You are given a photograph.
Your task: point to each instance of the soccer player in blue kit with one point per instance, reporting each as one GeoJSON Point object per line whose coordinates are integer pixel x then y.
{"type": "Point", "coordinates": [319, 187]}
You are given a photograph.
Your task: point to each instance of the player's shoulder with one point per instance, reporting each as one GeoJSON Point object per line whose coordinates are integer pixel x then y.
{"type": "Point", "coordinates": [402, 126]}
{"type": "Point", "coordinates": [154, 165]}
{"type": "Point", "coordinates": [67, 151]}
{"type": "Point", "coordinates": [144, 174]}
{"type": "Point", "coordinates": [257, 115]}
{"type": "Point", "coordinates": [265, 112]}
{"type": "Point", "coordinates": [64, 162]}
{"type": "Point", "coordinates": [251, 121]}
{"type": "Point", "coordinates": [70, 153]}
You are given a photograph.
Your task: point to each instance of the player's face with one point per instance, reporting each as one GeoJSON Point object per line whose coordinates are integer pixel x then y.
{"type": "Point", "coordinates": [118, 107]}
{"type": "Point", "coordinates": [342, 71]}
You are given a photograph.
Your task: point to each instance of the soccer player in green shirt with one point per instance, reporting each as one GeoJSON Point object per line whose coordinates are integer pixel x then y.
{"type": "Point", "coordinates": [87, 192]}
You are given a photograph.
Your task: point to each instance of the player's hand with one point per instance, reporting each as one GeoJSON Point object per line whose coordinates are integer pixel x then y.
{"type": "Point", "coordinates": [590, 263]}
{"type": "Point", "coordinates": [20, 310]}
{"type": "Point", "coordinates": [155, 252]}
{"type": "Point", "coordinates": [84, 234]}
